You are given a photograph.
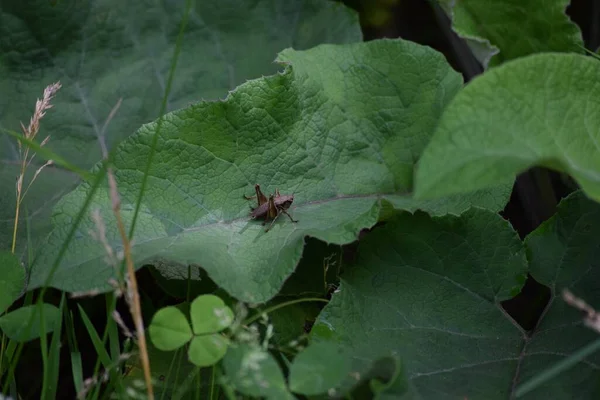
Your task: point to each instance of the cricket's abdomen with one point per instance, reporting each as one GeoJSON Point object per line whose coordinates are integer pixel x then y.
{"type": "Point", "coordinates": [260, 212]}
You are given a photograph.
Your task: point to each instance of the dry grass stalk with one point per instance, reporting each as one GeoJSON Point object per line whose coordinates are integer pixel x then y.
{"type": "Point", "coordinates": [129, 283]}
{"type": "Point", "coordinates": [592, 317]}
{"type": "Point", "coordinates": [30, 132]}
{"type": "Point", "coordinates": [132, 295]}
{"type": "Point", "coordinates": [117, 317]}
{"type": "Point", "coordinates": [100, 236]}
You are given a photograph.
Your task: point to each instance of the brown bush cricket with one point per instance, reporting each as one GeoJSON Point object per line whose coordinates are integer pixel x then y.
{"type": "Point", "coordinates": [270, 209]}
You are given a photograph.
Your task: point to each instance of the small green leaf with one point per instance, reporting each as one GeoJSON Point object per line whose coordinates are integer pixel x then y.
{"type": "Point", "coordinates": [12, 279]}
{"type": "Point", "coordinates": [169, 329]}
{"type": "Point", "coordinates": [206, 350]}
{"type": "Point", "coordinates": [508, 29]}
{"type": "Point", "coordinates": [209, 314]}
{"type": "Point", "coordinates": [538, 110]}
{"type": "Point", "coordinates": [254, 372]}
{"type": "Point", "coordinates": [318, 368]}
{"type": "Point", "coordinates": [16, 325]}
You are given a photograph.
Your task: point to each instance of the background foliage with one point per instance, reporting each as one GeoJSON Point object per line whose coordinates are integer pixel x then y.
{"type": "Point", "coordinates": [446, 197]}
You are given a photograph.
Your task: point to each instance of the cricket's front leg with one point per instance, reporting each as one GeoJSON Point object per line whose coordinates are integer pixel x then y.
{"type": "Point", "coordinates": [250, 198]}
{"type": "Point", "coordinates": [286, 213]}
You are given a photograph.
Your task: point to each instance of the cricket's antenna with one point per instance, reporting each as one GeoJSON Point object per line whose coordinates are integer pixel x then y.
{"type": "Point", "coordinates": [299, 183]}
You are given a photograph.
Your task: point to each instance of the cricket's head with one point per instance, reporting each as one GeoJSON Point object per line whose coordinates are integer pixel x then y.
{"type": "Point", "coordinates": [286, 201]}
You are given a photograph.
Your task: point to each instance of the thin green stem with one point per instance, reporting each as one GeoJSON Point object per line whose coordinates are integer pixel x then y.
{"type": "Point", "coordinates": [281, 305]}
{"type": "Point", "coordinates": [44, 350]}
{"type": "Point", "coordinates": [212, 383]}
{"type": "Point", "coordinates": [163, 108]}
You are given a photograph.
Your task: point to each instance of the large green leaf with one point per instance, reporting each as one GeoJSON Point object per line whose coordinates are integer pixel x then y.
{"type": "Point", "coordinates": [107, 50]}
{"type": "Point", "coordinates": [564, 254]}
{"type": "Point", "coordinates": [538, 110]}
{"type": "Point", "coordinates": [509, 29]}
{"type": "Point", "coordinates": [428, 291]}
{"type": "Point", "coordinates": [12, 279]}
{"type": "Point", "coordinates": [341, 128]}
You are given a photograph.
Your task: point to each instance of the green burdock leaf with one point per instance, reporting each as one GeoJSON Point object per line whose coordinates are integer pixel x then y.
{"type": "Point", "coordinates": [169, 329]}
{"type": "Point", "coordinates": [16, 326]}
{"type": "Point", "coordinates": [563, 254]}
{"type": "Point", "coordinates": [254, 372]}
{"type": "Point", "coordinates": [108, 50]}
{"type": "Point", "coordinates": [12, 279]}
{"type": "Point", "coordinates": [340, 128]}
{"type": "Point", "coordinates": [509, 29]}
{"type": "Point", "coordinates": [427, 291]}
{"type": "Point", "coordinates": [539, 110]}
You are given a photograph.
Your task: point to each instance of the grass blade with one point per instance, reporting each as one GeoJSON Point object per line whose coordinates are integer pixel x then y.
{"type": "Point", "coordinates": [96, 341]}
{"type": "Point", "coordinates": [76, 364]}
{"type": "Point", "coordinates": [557, 368]}
{"type": "Point", "coordinates": [51, 368]}
{"type": "Point", "coordinates": [48, 154]}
